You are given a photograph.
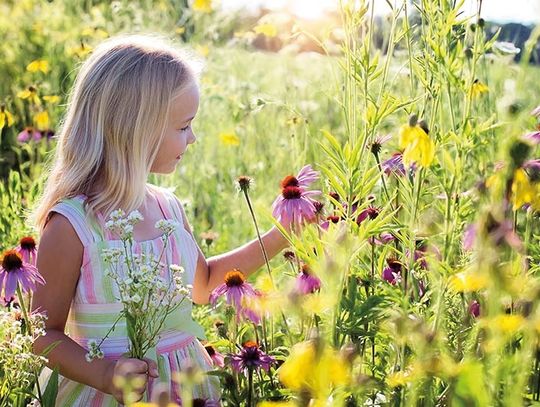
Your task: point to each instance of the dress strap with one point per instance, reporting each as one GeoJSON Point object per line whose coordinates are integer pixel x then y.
{"type": "Point", "coordinates": [169, 205]}
{"type": "Point", "coordinates": [87, 227]}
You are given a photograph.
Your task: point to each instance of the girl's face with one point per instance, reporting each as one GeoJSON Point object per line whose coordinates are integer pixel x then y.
{"type": "Point", "coordinates": [178, 134]}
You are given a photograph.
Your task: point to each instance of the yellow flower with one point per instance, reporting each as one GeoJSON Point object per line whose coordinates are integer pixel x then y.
{"type": "Point", "coordinates": [317, 370]}
{"type": "Point", "coordinates": [418, 146]}
{"type": "Point", "coordinates": [277, 404]}
{"type": "Point", "coordinates": [478, 88]}
{"type": "Point", "coordinates": [94, 32]}
{"type": "Point", "coordinates": [229, 139]}
{"type": "Point", "coordinates": [467, 282]}
{"type": "Point", "coordinates": [269, 30]}
{"type": "Point", "coordinates": [31, 94]}
{"type": "Point", "coordinates": [400, 378]}
{"type": "Point", "coordinates": [203, 6]}
{"type": "Point", "coordinates": [38, 65]}
{"type": "Point", "coordinates": [508, 323]}
{"type": "Point", "coordinates": [80, 51]}
{"type": "Point", "coordinates": [52, 98]}
{"type": "Point", "coordinates": [180, 30]}
{"type": "Point", "coordinates": [523, 191]}
{"type": "Point", "coordinates": [203, 50]}
{"type": "Point", "coordinates": [6, 118]}
{"type": "Point", "coordinates": [42, 120]}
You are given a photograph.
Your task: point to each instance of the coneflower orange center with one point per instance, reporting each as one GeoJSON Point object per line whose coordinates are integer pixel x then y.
{"type": "Point", "coordinates": [234, 278]}
{"type": "Point", "coordinates": [12, 260]}
{"type": "Point", "coordinates": [250, 344]}
{"type": "Point", "coordinates": [289, 181]}
{"type": "Point", "coordinates": [291, 192]}
{"type": "Point", "coordinates": [28, 243]}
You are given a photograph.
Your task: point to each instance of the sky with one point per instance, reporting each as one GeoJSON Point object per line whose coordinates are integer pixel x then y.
{"type": "Point", "coordinates": [524, 11]}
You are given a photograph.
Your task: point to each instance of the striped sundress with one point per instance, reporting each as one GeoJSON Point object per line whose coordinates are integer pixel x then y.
{"type": "Point", "coordinates": [95, 307]}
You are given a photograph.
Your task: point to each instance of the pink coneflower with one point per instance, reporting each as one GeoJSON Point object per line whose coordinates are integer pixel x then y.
{"type": "Point", "coordinates": [307, 176]}
{"type": "Point", "coordinates": [384, 238]}
{"type": "Point", "coordinates": [330, 219]}
{"type": "Point", "coordinates": [377, 143]}
{"type": "Point", "coordinates": [370, 212]}
{"type": "Point", "coordinates": [533, 137]}
{"type": "Point", "coordinates": [14, 271]}
{"type": "Point", "coordinates": [536, 112]}
{"type": "Point", "coordinates": [236, 290]}
{"type": "Point", "coordinates": [394, 165]}
{"type": "Point", "coordinates": [28, 250]}
{"type": "Point", "coordinates": [217, 358]}
{"type": "Point", "coordinates": [251, 357]}
{"type": "Point", "coordinates": [307, 282]}
{"type": "Point", "coordinates": [294, 205]}
{"type": "Point", "coordinates": [29, 133]}
{"type": "Point", "coordinates": [474, 309]}
{"type": "Point", "coordinates": [392, 273]}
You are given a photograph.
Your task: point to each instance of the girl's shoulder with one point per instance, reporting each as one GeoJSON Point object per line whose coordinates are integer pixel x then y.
{"type": "Point", "coordinates": [168, 200]}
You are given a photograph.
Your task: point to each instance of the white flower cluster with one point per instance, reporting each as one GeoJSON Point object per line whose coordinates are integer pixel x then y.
{"type": "Point", "coordinates": [94, 352]}
{"type": "Point", "coordinates": [167, 226]}
{"type": "Point", "coordinates": [16, 356]}
{"type": "Point", "coordinates": [148, 289]}
{"type": "Point", "coordinates": [122, 225]}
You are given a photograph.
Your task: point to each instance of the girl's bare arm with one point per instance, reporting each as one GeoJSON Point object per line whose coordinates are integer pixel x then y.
{"type": "Point", "coordinates": [59, 261]}
{"type": "Point", "coordinates": [247, 258]}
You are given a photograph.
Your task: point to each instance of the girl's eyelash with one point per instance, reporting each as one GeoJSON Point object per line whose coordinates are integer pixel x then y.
{"type": "Point", "coordinates": [184, 128]}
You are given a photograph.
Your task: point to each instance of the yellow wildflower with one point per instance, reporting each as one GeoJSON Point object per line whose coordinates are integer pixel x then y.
{"type": "Point", "coordinates": [42, 120]}
{"type": "Point", "coordinates": [31, 94]}
{"type": "Point", "coordinates": [180, 30]}
{"type": "Point", "coordinates": [418, 146]}
{"type": "Point", "coordinates": [269, 30]}
{"type": "Point", "coordinates": [229, 139]}
{"type": "Point", "coordinates": [38, 65]}
{"type": "Point", "coordinates": [508, 324]}
{"type": "Point", "coordinates": [467, 282]}
{"type": "Point", "coordinates": [400, 378]}
{"type": "Point", "coordinates": [203, 50]}
{"type": "Point", "coordinates": [317, 370]}
{"type": "Point", "coordinates": [478, 88]}
{"type": "Point", "coordinates": [94, 32]}
{"type": "Point", "coordinates": [80, 51]}
{"type": "Point", "coordinates": [203, 6]}
{"type": "Point", "coordinates": [277, 404]}
{"type": "Point", "coordinates": [523, 190]}
{"type": "Point", "coordinates": [6, 118]}
{"type": "Point", "coordinates": [51, 98]}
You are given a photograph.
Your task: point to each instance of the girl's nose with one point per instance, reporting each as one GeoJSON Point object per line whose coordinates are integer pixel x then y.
{"type": "Point", "coordinates": [192, 138]}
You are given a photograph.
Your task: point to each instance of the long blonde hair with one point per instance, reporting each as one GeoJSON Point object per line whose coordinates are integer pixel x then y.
{"type": "Point", "coordinates": [115, 121]}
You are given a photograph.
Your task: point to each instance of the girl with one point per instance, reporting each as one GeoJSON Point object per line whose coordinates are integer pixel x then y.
{"type": "Point", "coordinates": [129, 115]}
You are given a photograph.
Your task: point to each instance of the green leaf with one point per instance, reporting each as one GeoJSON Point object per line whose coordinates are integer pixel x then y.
{"type": "Point", "coordinates": [51, 391]}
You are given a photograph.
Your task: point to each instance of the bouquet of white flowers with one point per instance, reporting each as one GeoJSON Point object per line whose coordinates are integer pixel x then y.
{"type": "Point", "coordinates": [147, 293]}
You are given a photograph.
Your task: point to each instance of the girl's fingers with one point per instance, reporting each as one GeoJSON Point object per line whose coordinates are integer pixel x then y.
{"type": "Point", "coordinates": [152, 367]}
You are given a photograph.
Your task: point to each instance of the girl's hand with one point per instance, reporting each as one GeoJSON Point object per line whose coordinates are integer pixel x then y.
{"type": "Point", "coordinates": [129, 374]}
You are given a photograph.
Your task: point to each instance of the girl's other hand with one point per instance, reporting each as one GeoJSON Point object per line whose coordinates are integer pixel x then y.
{"type": "Point", "coordinates": [129, 373]}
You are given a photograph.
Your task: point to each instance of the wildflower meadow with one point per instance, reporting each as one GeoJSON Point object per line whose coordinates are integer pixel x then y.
{"type": "Point", "coordinates": [398, 155]}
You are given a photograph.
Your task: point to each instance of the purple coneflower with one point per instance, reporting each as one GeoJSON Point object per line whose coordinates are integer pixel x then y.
{"type": "Point", "coordinates": [392, 273]}
{"type": "Point", "coordinates": [307, 176]}
{"type": "Point", "coordinates": [29, 133]}
{"type": "Point", "coordinates": [307, 282]}
{"type": "Point", "coordinates": [469, 237]}
{"type": "Point", "coordinates": [394, 165]}
{"type": "Point", "coordinates": [474, 309]}
{"type": "Point", "coordinates": [384, 238]}
{"type": "Point", "coordinates": [217, 358]}
{"type": "Point", "coordinates": [14, 271]}
{"type": "Point", "coordinates": [536, 112]}
{"type": "Point", "coordinates": [294, 204]}
{"type": "Point", "coordinates": [370, 212]}
{"type": "Point", "coordinates": [377, 143]}
{"type": "Point", "coordinates": [533, 137]}
{"type": "Point", "coordinates": [236, 290]}
{"type": "Point", "coordinates": [251, 357]}
{"type": "Point", "coordinates": [28, 250]}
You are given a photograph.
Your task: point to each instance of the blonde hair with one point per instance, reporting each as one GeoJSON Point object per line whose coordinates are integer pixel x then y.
{"type": "Point", "coordinates": [116, 118]}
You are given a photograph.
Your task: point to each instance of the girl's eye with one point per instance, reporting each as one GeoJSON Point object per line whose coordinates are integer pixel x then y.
{"type": "Point", "coordinates": [184, 128]}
